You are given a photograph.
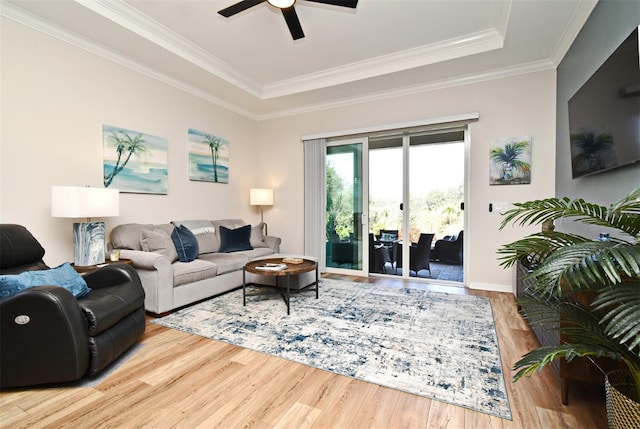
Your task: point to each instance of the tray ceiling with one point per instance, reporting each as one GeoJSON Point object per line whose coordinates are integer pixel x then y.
{"type": "Point", "coordinates": [250, 64]}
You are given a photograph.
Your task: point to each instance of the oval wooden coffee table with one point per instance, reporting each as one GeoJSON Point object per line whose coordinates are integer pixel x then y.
{"type": "Point", "coordinates": [265, 267]}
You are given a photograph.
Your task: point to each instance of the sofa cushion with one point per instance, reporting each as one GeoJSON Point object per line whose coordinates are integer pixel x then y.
{"type": "Point", "coordinates": [257, 236]}
{"type": "Point", "coordinates": [234, 240]}
{"type": "Point", "coordinates": [159, 241]}
{"type": "Point", "coordinates": [227, 223]}
{"type": "Point", "coordinates": [127, 236]}
{"type": "Point", "coordinates": [189, 272]}
{"type": "Point", "coordinates": [226, 262]}
{"type": "Point", "coordinates": [257, 252]}
{"type": "Point", "coordinates": [186, 243]}
{"type": "Point", "coordinates": [204, 232]}
{"type": "Point", "coordinates": [63, 275]}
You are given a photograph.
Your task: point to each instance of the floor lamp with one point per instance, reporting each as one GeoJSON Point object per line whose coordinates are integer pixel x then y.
{"type": "Point", "coordinates": [86, 202]}
{"type": "Point", "coordinates": [261, 197]}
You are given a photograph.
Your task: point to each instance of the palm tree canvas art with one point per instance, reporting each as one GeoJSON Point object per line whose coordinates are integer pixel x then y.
{"type": "Point", "coordinates": [134, 162]}
{"type": "Point", "coordinates": [208, 157]}
{"type": "Point", "coordinates": [510, 161]}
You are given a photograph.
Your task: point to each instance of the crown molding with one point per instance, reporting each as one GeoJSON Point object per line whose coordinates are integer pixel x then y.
{"type": "Point", "coordinates": [32, 21]}
{"type": "Point", "coordinates": [580, 16]}
{"type": "Point", "coordinates": [130, 18]}
{"type": "Point", "coordinates": [501, 73]}
{"type": "Point", "coordinates": [25, 18]}
{"type": "Point", "coordinates": [470, 44]}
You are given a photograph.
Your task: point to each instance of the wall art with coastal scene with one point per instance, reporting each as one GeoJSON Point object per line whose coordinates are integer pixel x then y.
{"type": "Point", "coordinates": [208, 157]}
{"type": "Point", "coordinates": [134, 162]}
{"type": "Point", "coordinates": [510, 160]}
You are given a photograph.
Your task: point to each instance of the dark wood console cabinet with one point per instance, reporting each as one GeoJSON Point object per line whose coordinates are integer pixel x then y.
{"type": "Point", "coordinates": [579, 369]}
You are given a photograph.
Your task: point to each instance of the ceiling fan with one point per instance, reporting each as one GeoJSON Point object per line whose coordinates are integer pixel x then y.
{"type": "Point", "coordinates": [288, 11]}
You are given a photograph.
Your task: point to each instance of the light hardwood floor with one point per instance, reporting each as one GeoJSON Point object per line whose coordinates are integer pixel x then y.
{"type": "Point", "coordinates": [186, 381]}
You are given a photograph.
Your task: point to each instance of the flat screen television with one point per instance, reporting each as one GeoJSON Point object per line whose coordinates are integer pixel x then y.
{"type": "Point", "coordinates": [604, 115]}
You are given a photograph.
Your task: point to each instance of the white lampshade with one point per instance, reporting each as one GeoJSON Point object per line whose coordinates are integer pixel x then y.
{"type": "Point", "coordinates": [261, 197]}
{"type": "Point", "coordinates": [85, 202]}
{"type": "Point", "coordinates": [79, 202]}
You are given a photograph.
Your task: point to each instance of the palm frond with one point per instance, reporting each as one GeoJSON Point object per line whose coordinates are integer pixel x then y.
{"type": "Point", "coordinates": [628, 204]}
{"type": "Point", "coordinates": [622, 216]}
{"type": "Point", "coordinates": [562, 267]}
{"type": "Point", "coordinates": [623, 317]}
{"type": "Point", "coordinates": [537, 359]}
{"type": "Point", "coordinates": [574, 263]}
{"type": "Point", "coordinates": [535, 247]}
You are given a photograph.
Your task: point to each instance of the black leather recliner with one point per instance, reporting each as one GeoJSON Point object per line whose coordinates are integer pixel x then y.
{"type": "Point", "coordinates": [49, 336]}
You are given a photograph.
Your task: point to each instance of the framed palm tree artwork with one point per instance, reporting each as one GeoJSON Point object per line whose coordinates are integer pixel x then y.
{"type": "Point", "coordinates": [208, 157]}
{"type": "Point", "coordinates": [510, 161]}
{"type": "Point", "coordinates": [134, 162]}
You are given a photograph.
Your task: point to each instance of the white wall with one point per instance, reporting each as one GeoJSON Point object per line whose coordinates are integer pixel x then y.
{"type": "Point", "coordinates": [523, 105]}
{"type": "Point", "coordinates": [55, 100]}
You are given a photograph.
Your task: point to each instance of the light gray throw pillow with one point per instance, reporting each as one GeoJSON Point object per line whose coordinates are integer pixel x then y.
{"type": "Point", "coordinates": [158, 241]}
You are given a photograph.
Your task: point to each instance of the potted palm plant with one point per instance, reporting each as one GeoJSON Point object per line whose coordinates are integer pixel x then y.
{"type": "Point", "coordinates": [562, 265]}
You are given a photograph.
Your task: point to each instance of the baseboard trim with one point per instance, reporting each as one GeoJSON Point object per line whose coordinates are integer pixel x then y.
{"type": "Point", "coordinates": [492, 287]}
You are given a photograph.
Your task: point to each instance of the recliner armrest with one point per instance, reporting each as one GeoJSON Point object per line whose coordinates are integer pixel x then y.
{"type": "Point", "coordinates": [111, 275]}
{"type": "Point", "coordinates": [44, 337]}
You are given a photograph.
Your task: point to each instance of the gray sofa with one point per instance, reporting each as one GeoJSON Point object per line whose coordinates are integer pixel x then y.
{"type": "Point", "coordinates": [169, 283]}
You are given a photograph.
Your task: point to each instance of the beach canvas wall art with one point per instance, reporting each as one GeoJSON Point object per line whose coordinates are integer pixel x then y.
{"type": "Point", "coordinates": [134, 161]}
{"type": "Point", "coordinates": [208, 157]}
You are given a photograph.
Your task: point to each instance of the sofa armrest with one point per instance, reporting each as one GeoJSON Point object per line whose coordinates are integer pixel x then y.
{"type": "Point", "coordinates": [144, 260]}
{"type": "Point", "coordinates": [273, 242]}
{"type": "Point", "coordinates": [156, 275]}
{"type": "Point", "coordinates": [44, 337]}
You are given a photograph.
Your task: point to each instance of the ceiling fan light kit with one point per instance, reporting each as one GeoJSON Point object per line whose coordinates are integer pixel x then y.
{"type": "Point", "coordinates": [281, 4]}
{"type": "Point", "coordinates": [288, 11]}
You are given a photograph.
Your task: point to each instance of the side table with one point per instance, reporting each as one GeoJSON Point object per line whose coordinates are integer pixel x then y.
{"type": "Point", "coordinates": [88, 269]}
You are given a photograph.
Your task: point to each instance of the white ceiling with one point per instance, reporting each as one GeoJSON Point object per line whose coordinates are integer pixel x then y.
{"type": "Point", "coordinates": [250, 64]}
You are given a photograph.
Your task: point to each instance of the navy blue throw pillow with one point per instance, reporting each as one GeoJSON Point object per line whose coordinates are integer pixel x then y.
{"type": "Point", "coordinates": [234, 240]}
{"type": "Point", "coordinates": [186, 243]}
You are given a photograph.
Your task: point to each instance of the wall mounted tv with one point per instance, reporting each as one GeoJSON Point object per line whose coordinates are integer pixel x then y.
{"type": "Point", "coordinates": [604, 115]}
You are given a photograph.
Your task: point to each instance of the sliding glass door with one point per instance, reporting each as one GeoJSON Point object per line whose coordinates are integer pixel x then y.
{"type": "Point", "coordinates": [416, 196]}
{"type": "Point", "coordinates": [436, 201]}
{"type": "Point", "coordinates": [394, 205]}
{"type": "Point", "coordinates": [346, 199]}
{"type": "Point", "coordinates": [386, 180]}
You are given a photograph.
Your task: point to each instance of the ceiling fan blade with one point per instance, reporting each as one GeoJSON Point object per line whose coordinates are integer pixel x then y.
{"type": "Point", "coordinates": [345, 3]}
{"type": "Point", "coordinates": [293, 22]}
{"type": "Point", "coordinates": [239, 7]}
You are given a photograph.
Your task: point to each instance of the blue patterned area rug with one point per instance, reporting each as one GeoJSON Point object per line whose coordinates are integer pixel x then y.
{"type": "Point", "coordinates": [437, 345]}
